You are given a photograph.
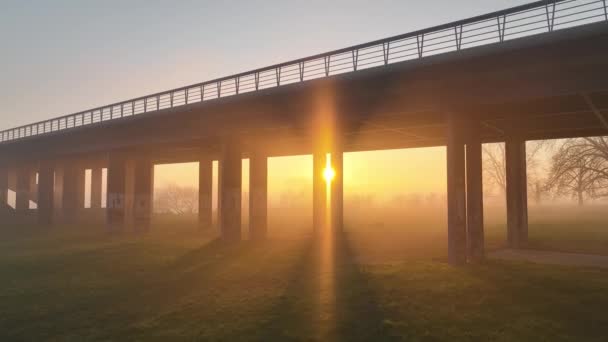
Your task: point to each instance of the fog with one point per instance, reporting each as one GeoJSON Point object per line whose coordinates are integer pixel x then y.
{"type": "Point", "coordinates": [395, 201]}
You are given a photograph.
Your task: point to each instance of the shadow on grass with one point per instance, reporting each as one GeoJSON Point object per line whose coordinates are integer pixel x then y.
{"type": "Point", "coordinates": [300, 313]}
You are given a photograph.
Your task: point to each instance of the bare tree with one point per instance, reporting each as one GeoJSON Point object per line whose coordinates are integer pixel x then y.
{"type": "Point", "coordinates": [176, 199]}
{"type": "Point", "coordinates": [580, 169]}
{"type": "Point", "coordinates": [494, 167]}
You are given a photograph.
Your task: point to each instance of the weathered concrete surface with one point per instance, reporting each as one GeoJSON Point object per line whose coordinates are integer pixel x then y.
{"type": "Point", "coordinates": [143, 191]}
{"type": "Point", "coordinates": [258, 196]}
{"type": "Point", "coordinates": [230, 188]}
{"type": "Point", "coordinates": [96, 190]}
{"type": "Point", "coordinates": [457, 212]}
{"type": "Point", "coordinates": [517, 192]}
{"type": "Point", "coordinates": [46, 196]}
{"type": "Point", "coordinates": [205, 192]}
{"type": "Point", "coordinates": [475, 231]}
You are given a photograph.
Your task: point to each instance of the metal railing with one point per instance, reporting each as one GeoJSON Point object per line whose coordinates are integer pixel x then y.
{"type": "Point", "coordinates": [526, 20]}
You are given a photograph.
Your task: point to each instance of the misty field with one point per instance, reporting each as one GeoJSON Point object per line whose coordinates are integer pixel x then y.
{"type": "Point", "coordinates": [379, 281]}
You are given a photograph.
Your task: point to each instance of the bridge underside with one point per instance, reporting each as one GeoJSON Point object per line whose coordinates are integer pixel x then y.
{"type": "Point", "coordinates": [541, 87]}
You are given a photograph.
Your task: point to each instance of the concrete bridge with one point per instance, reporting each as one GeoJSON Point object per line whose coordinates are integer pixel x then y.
{"type": "Point", "coordinates": [537, 71]}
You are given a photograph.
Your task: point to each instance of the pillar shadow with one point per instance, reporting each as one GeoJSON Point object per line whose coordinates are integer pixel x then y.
{"type": "Point", "coordinates": [359, 317]}
{"type": "Point", "coordinates": [291, 317]}
{"type": "Point", "coordinates": [300, 314]}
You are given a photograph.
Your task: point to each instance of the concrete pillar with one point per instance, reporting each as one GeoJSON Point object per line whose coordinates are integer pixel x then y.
{"type": "Point", "coordinates": [46, 185]}
{"type": "Point", "coordinates": [337, 190]}
{"type": "Point", "coordinates": [457, 233]}
{"type": "Point", "coordinates": [73, 190]}
{"type": "Point", "coordinates": [58, 193]}
{"type": "Point", "coordinates": [517, 192]}
{"type": "Point", "coordinates": [96, 190]}
{"type": "Point", "coordinates": [143, 188]}
{"type": "Point", "coordinates": [22, 202]}
{"type": "Point", "coordinates": [33, 186]}
{"type": "Point", "coordinates": [230, 193]}
{"type": "Point", "coordinates": [258, 196]}
{"type": "Point", "coordinates": [3, 186]}
{"type": "Point", "coordinates": [205, 193]}
{"type": "Point", "coordinates": [475, 229]}
{"type": "Point", "coordinates": [319, 201]}
{"type": "Point", "coordinates": [115, 202]}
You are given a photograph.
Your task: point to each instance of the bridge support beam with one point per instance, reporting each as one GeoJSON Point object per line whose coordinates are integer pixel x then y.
{"type": "Point", "coordinates": [33, 186]}
{"type": "Point", "coordinates": [258, 196]}
{"type": "Point", "coordinates": [474, 184]}
{"type": "Point", "coordinates": [205, 193]}
{"type": "Point", "coordinates": [46, 195]}
{"type": "Point", "coordinates": [73, 190]}
{"type": "Point", "coordinates": [96, 190]}
{"type": "Point", "coordinates": [144, 185]}
{"type": "Point", "coordinates": [337, 190]}
{"type": "Point", "coordinates": [517, 192]}
{"type": "Point", "coordinates": [230, 182]}
{"type": "Point", "coordinates": [22, 200]}
{"type": "Point", "coordinates": [116, 194]}
{"type": "Point", "coordinates": [319, 202]}
{"type": "Point", "coordinates": [3, 187]}
{"type": "Point", "coordinates": [58, 193]}
{"type": "Point", "coordinates": [457, 232]}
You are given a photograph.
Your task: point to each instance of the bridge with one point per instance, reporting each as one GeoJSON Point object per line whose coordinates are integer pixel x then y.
{"type": "Point", "coordinates": [536, 71]}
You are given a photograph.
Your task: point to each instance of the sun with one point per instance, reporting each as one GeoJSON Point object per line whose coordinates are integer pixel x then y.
{"type": "Point", "coordinates": [329, 174]}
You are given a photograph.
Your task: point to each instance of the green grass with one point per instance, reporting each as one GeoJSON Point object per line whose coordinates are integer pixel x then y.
{"type": "Point", "coordinates": [80, 283]}
{"type": "Point", "coordinates": [182, 284]}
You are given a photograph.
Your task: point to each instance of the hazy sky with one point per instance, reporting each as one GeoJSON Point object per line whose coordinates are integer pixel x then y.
{"type": "Point", "coordinates": [60, 57]}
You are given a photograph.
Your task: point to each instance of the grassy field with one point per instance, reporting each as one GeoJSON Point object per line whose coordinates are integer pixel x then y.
{"type": "Point", "coordinates": [373, 283]}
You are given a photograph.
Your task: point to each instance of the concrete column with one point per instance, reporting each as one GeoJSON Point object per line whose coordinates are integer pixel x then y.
{"type": "Point", "coordinates": [22, 202]}
{"type": "Point", "coordinates": [33, 187]}
{"type": "Point", "coordinates": [143, 187]}
{"type": "Point", "coordinates": [58, 193]}
{"type": "Point", "coordinates": [205, 193]}
{"type": "Point", "coordinates": [115, 202]}
{"type": "Point", "coordinates": [73, 190]}
{"type": "Point", "coordinates": [457, 233]}
{"type": "Point", "coordinates": [96, 190]}
{"type": "Point", "coordinates": [230, 193]}
{"type": "Point", "coordinates": [3, 186]}
{"type": "Point", "coordinates": [517, 192]}
{"type": "Point", "coordinates": [319, 201]}
{"type": "Point", "coordinates": [337, 190]}
{"type": "Point", "coordinates": [475, 229]}
{"type": "Point", "coordinates": [258, 196]}
{"type": "Point", "coordinates": [46, 196]}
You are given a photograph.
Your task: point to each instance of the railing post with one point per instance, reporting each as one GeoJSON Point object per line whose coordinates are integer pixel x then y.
{"type": "Point", "coordinates": [301, 67]}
